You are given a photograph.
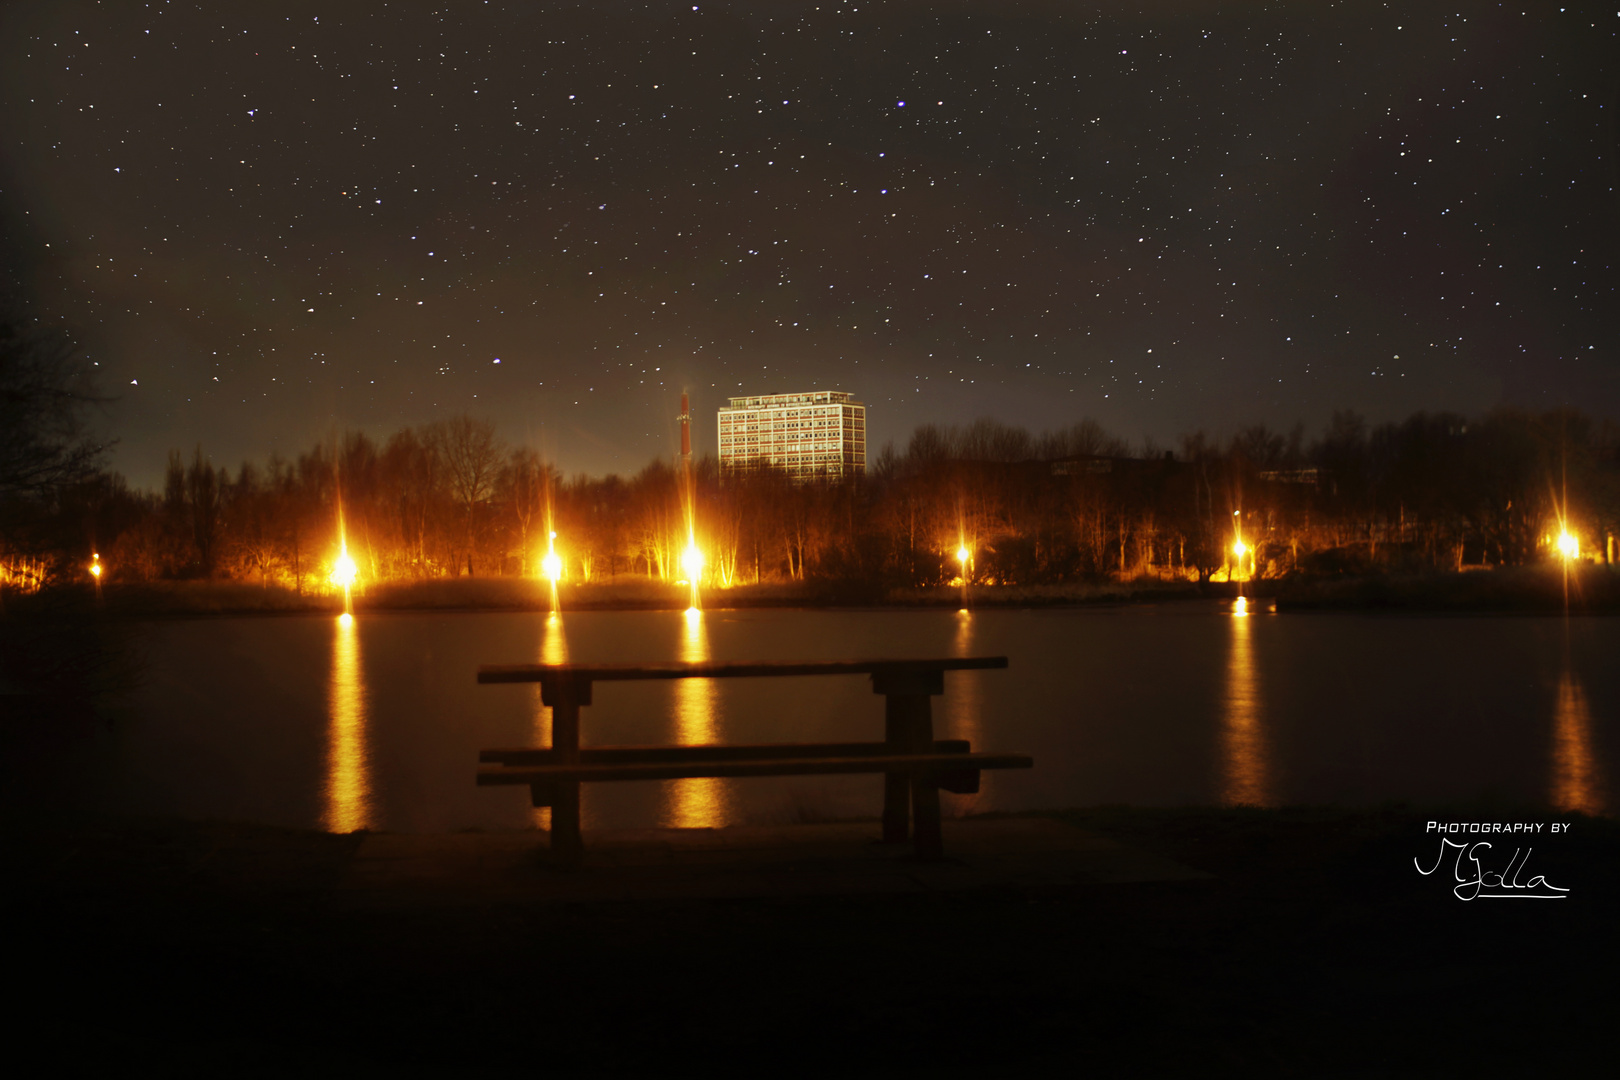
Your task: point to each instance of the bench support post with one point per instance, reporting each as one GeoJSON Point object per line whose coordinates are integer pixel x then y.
{"type": "Point", "coordinates": [909, 729]}
{"type": "Point", "coordinates": [900, 721]}
{"type": "Point", "coordinates": [565, 696]}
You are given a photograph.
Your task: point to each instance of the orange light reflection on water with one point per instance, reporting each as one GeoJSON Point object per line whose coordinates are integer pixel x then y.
{"type": "Point", "coordinates": [959, 714]}
{"type": "Point", "coordinates": [348, 784]}
{"type": "Point", "coordinates": [1245, 779]}
{"type": "Point", "coordinates": [553, 650]}
{"type": "Point", "coordinates": [700, 802]}
{"type": "Point", "coordinates": [1576, 782]}
{"type": "Point", "coordinates": [963, 706]}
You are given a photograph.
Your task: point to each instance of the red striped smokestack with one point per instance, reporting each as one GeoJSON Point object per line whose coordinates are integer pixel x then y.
{"type": "Point", "coordinates": [686, 430]}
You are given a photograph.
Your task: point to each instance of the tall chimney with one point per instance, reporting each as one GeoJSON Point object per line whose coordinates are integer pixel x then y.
{"type": "Point", "coordinates": [686, 430]}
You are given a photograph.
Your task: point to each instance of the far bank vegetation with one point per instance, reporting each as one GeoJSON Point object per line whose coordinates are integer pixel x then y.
{"type": "Point", "coordinates": [1436, 492]}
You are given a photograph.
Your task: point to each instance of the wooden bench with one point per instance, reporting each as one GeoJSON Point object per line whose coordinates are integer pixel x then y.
{"type": "Point", "coordinates": [915, 764]}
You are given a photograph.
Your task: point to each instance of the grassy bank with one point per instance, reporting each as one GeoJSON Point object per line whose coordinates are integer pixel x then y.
{"type": "Point", "coordinates": [1590, 589]}
{"type": "Point", "coordinates": [185, 599]}
{"type": "Point", "coordinates": [1316, 950]}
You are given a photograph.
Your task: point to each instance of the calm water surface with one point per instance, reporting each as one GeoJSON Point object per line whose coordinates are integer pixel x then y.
{"type": "Point", "coordinates": [376, 723]}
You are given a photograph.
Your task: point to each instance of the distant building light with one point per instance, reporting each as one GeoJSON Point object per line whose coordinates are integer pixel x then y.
{"type": "Point", "coordinates": [807, 435]}
{"type": "Point", "coordinates": [1290, 476]}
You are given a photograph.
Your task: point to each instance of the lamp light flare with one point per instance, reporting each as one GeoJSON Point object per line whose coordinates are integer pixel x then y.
{"type": "Point", "coordinates": [1569, 545]}
{"type": "Point", "coordinates": [551, 565]}
{"type": "Point", "coordinates": [343, 570]}
{"type": "Point", "coordinates": [1240, 549]}
{"type": "Point", "coordinates": [692, 562]}
{"type": "Point", "coordinates": [964, 555]}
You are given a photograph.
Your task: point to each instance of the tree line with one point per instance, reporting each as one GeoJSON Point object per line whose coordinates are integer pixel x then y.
{"type": "Point", "coordinates": [989, 501]}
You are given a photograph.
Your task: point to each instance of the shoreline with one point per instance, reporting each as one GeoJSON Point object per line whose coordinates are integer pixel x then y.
{"type": "Point", "coordinates": [1593, 589]}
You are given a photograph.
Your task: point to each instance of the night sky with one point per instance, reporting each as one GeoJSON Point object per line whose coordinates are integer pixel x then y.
{"type": "Point", "coordinates": [266, 228]}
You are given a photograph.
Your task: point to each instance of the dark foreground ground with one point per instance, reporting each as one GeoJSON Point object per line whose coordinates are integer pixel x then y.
{"type": "Point", "coordinates": [1315, 949]}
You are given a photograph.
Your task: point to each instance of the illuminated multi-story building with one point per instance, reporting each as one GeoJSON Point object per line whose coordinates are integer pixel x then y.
{"type": "Point", "coordinates": [822, 433]}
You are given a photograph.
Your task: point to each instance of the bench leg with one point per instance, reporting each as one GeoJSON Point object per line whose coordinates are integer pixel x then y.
{"type": "Point", "coordinates": [906, 724]}
{"type": "Point", "coordinates": [909, 728]}
{"type": "Point", "coordinates": [567, 845]}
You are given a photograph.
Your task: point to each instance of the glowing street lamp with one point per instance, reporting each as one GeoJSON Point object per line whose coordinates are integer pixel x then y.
{"type": "Point", "coordinates": [692, 562]}
{"type": "Point", "coordinates": [1569, 546]}
{"type": "Point", "coordinates": [963, 557]}
{"type": "Point", "coordinates": [95, 567]}
{"type": "Point", "coordinates": [551, 563]}
{"type": "Point", "coordinates": [551, 568]}
{"type": "Point", "coordinates": [343, 574]}
{"type": "Point", "coordinates": [1239, 548]}
{"type": "Point", "coordinates": [343, 570]}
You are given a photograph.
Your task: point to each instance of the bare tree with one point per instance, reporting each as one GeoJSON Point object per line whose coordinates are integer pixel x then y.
{"type": "Point", "coordinates": [253, 520]}
{"type": "Point", "coordinates": [204, 492]}
{"type": "Point", "coordinates": [525, 487]}
{"type": "Point", "coordinates": [43, 399]}
{"type": "Point", "coordinates": [413, 468]}
{"type": "Point", "coordinates": [472, 458]}
{"type": "Point", "coordinates": [655, 494]}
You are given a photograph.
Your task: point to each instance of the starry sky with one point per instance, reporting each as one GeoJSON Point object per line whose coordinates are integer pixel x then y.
{"type": "Point", "coordinates": [268, 223]}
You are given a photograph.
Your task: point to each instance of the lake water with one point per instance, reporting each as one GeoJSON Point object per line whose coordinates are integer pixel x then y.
{"type": "Point", "coordinates": [377, 723]}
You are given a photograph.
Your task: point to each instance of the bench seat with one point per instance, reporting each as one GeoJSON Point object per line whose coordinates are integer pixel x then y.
{"type": "Point", "coordinates": [601, 755]}
{"type": "Point", "coordinates": [695, 765]}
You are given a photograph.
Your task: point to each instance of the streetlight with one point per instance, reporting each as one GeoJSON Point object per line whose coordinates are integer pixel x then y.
{"type": "Point", "coordinates": [551, 566]}
{"type": "Point", "coordinates": [1239, 548]}
{"type": "Point", "coordinates": [1569, 546]}
{"type": "Point", "coordinates": [692, 563]}
{"type": "Point", "coordinates": [343, 574]}
{"type": "Point", "coordinates": [962, 557]}
{"type": "Point", "coordinates": [344, 570]}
